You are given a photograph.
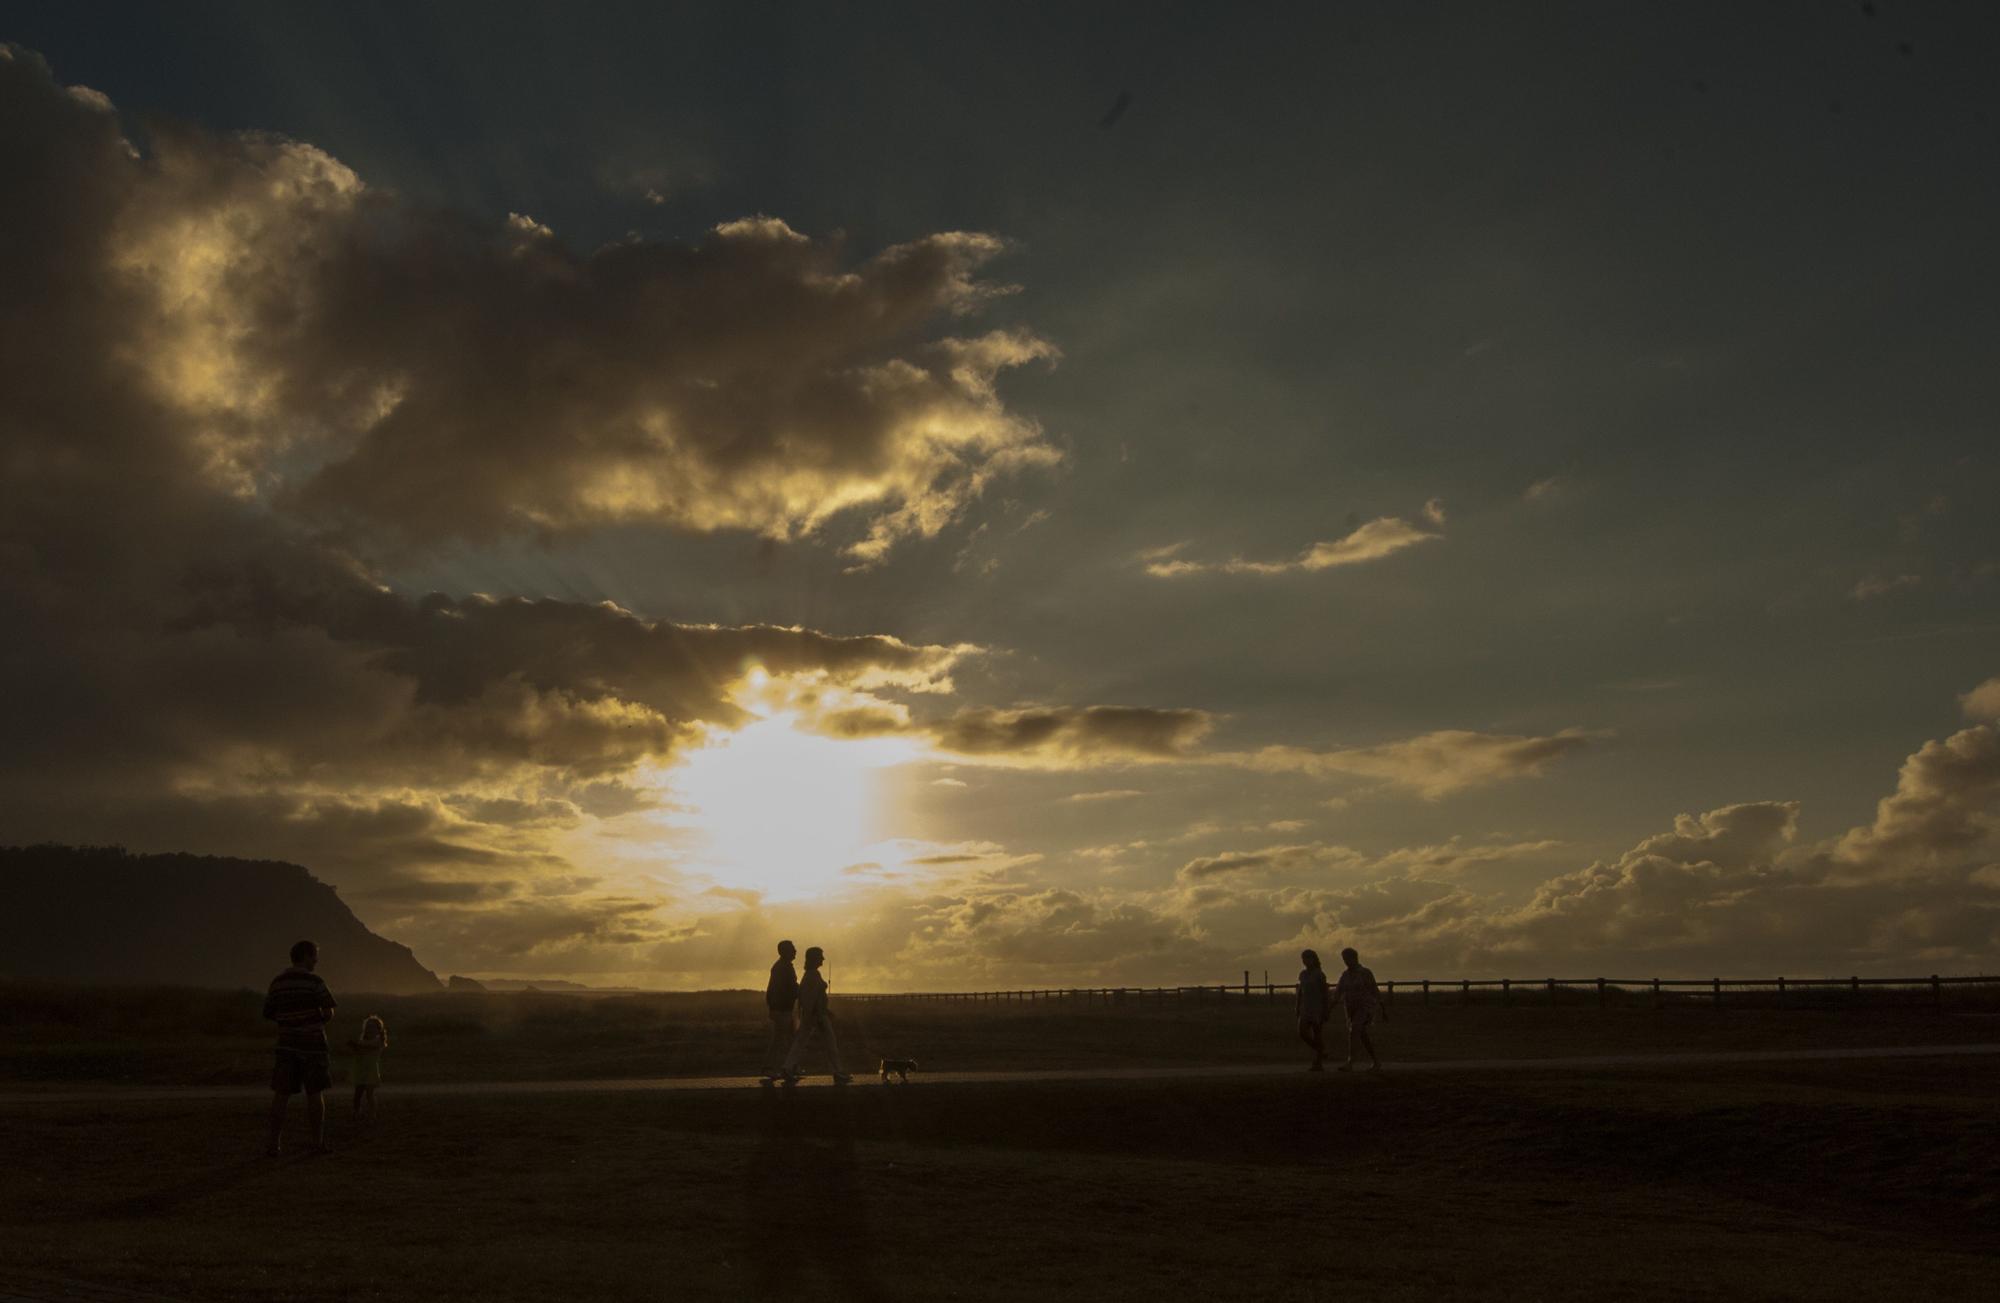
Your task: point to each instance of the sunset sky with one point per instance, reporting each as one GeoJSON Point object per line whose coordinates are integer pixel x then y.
{"type": "Point", "coordinates": [1019, 495]}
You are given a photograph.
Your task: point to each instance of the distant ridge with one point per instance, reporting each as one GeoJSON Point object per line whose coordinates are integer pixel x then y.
{"type": "Point", "coordinates": [99, 915]}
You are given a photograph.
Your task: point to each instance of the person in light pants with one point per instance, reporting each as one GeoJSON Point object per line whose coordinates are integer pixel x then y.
{"type": "Point", "coordinates": [814, 1019]}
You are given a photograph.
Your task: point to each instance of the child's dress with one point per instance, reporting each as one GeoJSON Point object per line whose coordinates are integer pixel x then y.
{"type": "Point", "coordinates": [368, 1064]}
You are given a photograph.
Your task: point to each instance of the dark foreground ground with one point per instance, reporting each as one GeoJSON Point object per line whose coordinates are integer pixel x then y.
{"type": "Point", "coordinates": [1801, 1180]}
{"type": "Point", "coordinates": [1806, 1181]}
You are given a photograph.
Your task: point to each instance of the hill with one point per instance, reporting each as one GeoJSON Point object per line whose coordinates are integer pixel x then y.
{"type": "Point", "coordinates": [102, 916]}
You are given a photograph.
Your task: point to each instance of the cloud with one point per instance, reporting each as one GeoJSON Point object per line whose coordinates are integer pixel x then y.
{"type": "Point", "coordinates": [1325, 860]}
{"type": "Point", "coordinates": [1378, 538]}
{"type": "Point", "coordinates": [229, 370]}
{"type": "Point", "coordinates": [1983, 702]}
{"type": "Point", "coordinates": [1070, 735]}
{"type": "Point", "coordinates": [1918, 887]}
{"type": "Point", "coordinates": [1109, 794]}
{"type": "Point", "coordinates": [1943, 808]}
{"type": "Point", "coordinates": [1878, 586]}
{"type": "Point", "coordinates": [1432, 765]}
{"type": "Point", "coordinates": [1233, 862]}
{"type": "Point", "coordinates": [433, 892]}
{"type": "Point", "coordinates": [417, 376]}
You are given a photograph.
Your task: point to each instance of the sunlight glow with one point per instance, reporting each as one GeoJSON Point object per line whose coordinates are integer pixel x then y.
{"type": "Point", "coordinates": [782, 810]}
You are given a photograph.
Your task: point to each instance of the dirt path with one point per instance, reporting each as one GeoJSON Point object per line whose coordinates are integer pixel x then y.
{"type": "Point", "coordinates": [1573, 1063]}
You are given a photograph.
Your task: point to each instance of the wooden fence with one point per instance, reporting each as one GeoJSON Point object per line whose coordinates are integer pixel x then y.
{"type": "Point", "coordinates": [1601, 991]}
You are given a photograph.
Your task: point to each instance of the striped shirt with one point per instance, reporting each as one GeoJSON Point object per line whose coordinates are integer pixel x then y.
{"type": "Point", "coordinates": [301, 1006]}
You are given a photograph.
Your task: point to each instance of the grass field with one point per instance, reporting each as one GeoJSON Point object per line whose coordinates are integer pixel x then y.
{"type": "Point", "coordinates": [1795, 1181]}
{"type": "Point", "coordinates": [166, 1037]}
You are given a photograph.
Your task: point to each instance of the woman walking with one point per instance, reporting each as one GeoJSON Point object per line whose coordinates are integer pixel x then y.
{"type": "Point", "coordinates": [814, 1019]}
{"type": "Point", "coordinates": [1313, 1007]}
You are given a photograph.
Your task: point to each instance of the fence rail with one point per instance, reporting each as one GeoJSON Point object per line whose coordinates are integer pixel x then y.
{"type": "Point", "coordinates": [1470, 990]}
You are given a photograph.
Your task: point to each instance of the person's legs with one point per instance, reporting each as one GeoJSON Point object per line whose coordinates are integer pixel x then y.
{"type": "Point", "coordinates": [360, 1094]}
{"type": "Point", "coordinates": [316, 1117]}
{"type": "Point", "coordinates": [832, 1044]}
{"type": "Point", "coordinates": [1374, 1059]}
{"type": "Point", "coordinates": [782, 1032]}
{"type": "Point", "coordinates": [280, 1102]}
{"type": "Point", "coordinates": [800, 1039]}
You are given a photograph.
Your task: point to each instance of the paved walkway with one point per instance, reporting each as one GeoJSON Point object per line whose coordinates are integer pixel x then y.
{"type": "Point", "coordinates": [1189, 1071]}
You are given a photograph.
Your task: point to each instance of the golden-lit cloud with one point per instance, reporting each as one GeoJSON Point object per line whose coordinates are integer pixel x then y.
{"type": "Point", "coordinates": [1983, 702]}
{"type": "Point", "coordinates": [413, 377]}
{"type": "Point", "coordinates": [1378, 538]}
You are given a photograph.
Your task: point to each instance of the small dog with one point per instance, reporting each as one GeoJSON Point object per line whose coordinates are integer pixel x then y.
{"type": "Point", "coordinates": [901, 1067]}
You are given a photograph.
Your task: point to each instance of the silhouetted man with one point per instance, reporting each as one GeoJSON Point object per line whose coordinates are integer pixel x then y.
{"type": "Point", "coordinates": [1362, 1001]}
{"type": "Point", "coordinates": [781, 999]}
{"type": "Point", "coordinates": [301, 1005]}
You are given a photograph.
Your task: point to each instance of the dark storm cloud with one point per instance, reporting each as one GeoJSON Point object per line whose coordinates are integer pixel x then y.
{"type": "Point", "coordinates": [418, 377]}
{"type": "Point", "coordinates": [1071, 734]}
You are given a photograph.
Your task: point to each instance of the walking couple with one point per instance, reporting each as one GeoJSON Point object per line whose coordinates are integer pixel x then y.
{"type": "Point", "coordinates": [1360, 999]}
{"type": "Point", "coordinates": [798, 1014]}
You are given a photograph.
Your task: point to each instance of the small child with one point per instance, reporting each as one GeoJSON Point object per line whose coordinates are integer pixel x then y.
{"type": "Point", "coordinates": [368, 1062]}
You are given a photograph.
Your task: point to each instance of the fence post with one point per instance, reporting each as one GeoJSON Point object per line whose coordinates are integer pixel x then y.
{"type": "Point", "coordinates": [1937, 992]}
{"type": "Point", "coordinates": [1270, 992]}
{"type": "Point", "coordinates": [1391, 997]}
{"type": "Point", "coordinates": [1465, 990]}
{"type": "Point", "coordinates": [1552, 992]}
{"type": "Point", "coordinates": [1781, 991]}
{"type": "Point", "coordinates": [1656, 993]}
{"type": "Point", "coordinates": [1600, 993]}
{"type": "Point", "coordinates": [1506, 990]}
{"type": "Point", "coordinates": [1427, 993]}
{"type": "Point", "coordinates": [1718, 992]}
{"type": "Point", "coordinates": [1854, 985]}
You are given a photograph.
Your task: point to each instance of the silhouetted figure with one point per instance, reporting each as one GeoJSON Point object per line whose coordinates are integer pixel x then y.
{"type": "Point", "coordinates": [300, 1004]}
{"type": "Point", "coordinates": [368, 1062]}
{"type": "Point", "coordinates": [1314, 1004]}
{"type": "Point", "coordinates": [1362, 1001]}
{"type": "Point", "coordinates": [815, 1019]}
{"type": "Point", "coordinates": [781, 998]}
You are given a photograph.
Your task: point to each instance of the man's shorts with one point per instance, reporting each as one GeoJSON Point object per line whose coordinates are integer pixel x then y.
{"type": "Point", "coordinates": [298, 1070]}
{"type": "Point", "coordinates": [1360, 1015]}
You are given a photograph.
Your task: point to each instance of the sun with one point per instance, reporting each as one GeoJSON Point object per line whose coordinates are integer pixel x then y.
{"type": "Point", "coordinates": [782, 810]}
